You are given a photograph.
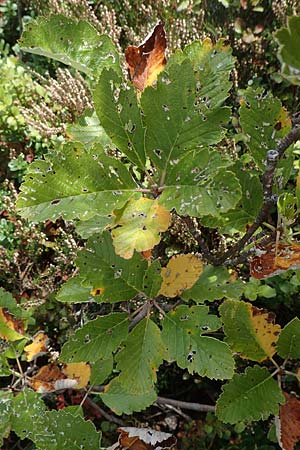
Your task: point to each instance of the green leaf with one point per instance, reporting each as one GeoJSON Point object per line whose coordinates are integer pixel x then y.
{"type": "Point", "coordinates": [97, 339]}
{"type": "Point", "coordinates": [142, 353]}
{"type": "Point", "coordinates": [206, 356]}
{"type": "Point", "coordinates": [175, 125]}
{"type": "Point", "coordinates": [253, 395]}
{"type": "Point", "coordinates": [74, 183]}
{"type": "Point", "coordinates": [122, 401]}
{"type": "Point", "coordinates": [73, 292]}
{"type": "Point", "coordinates": [117, 108]}
{"type": "Point", "coordinates": [75, 43]}
{"type": "Point", "coordinates": [88, 130]}
{"type": "Point", "coordinates": [260, 116]}
{"type": "Point", "coordinates": [5, 413]}
{"type": "Point", "coordinates": [213, 284]}
{"type": "Point", "coordinates": [7, 301]}
{"type": "Point", "coordinates": [100, 370]}
{"type": "Point", "coordinates": [213, 64]}
{"type": "Point", "coordinates": [117, 279]}
{"type": "Point", "coordinates": [4, 367]}
{"type": "Point", "coordinates": [52, 430]}
{"type": "Point", "coordinates": [152, 280]}
{"type": "Point", "coordinates": [288, 54]}
{"type": "Point", "coordinates": [96, 224]}
{"type": "Point", "coordinates": [288, 342]}
{"type": "Point", "coordinates": [249, 330]}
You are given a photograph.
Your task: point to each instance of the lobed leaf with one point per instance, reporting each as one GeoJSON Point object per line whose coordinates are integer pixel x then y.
{"type": "Point", "coordinates": [253, 395]}
{"type": "Point", "coordinates": [109, 276]}
{"type": "Point", "coordinates": [288, 341]}
{"type": "Point", "coordinates": [182, 335]}
{"type": "Point", "coordinates": [75, 43]}
{"type": "Point", "coordinates": [74, 183]}
{"type": "Point", "coordinates": [118, 112]}
{"type": "Point", "coordinates": [213, 284]}
{"type": "Point", "coordinates": [249, 330]}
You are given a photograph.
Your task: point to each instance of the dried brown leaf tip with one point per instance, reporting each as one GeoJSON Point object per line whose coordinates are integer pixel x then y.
{"type": "Point", "coordinates": [289, 424]}
{"type": "Point", "coordinates": [146, 61]}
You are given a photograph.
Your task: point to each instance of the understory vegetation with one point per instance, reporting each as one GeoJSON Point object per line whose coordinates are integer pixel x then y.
{"type": "Point", "coordinates": [149, 224]}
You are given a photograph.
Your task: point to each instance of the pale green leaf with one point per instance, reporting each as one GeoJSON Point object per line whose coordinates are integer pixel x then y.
{"type": "Point", "coordinates": [117, 108]}
{"type": "Point", "coordinates": [73, 292]}
{"type": "Point", "coordinates": [115, 278]}
{"type": "Point", "coordinates": [7, 301]}
{"type": "Point", "coordinates": [72, 42]}
{"type": "Point", "coordinates": [253, 395]}
{"type": "Point", "coordinates": [122, 401]}
{"type": "Point", "coordinates": [288, 342]}
{"type": "Point", "coordinates": [206, 356]}
{"type": "Point", "coordinates": [152, 280]}
{"type": "Point", "coordinates": [6, 411]}
{"type": "Point", "coordinates": [213, 284]}
{"type": "Point", "coordinates": [249, 330]}
{"type": "Point", "coordinates": [96, 224]}
{"type": "Point", "coordinates": [289, 39]}
{"type": "Point", "coordinates": [97, 339]}
{"type": "Point", "coordinates": [87, 130]}
{"type": "Point", "coordinates": [74, 183]}
{"type": "Point", "coordinates": [139, 359]}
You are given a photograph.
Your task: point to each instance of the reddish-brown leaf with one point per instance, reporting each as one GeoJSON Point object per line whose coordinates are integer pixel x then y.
{"type": "Point", "coordinates": [147, 60]}
{"type": "Point", "coordinates": [289, 432]}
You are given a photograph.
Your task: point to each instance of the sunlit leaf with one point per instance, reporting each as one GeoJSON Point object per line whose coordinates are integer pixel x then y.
{"type": "Point", "coordinates": [39, 346]}
{"type": "Point", "coordinates": [75, 43]}
{"type": "Point", "coordinates": [253, 395]}
{"type": "Point", "coordinates": [182, 335]}
{"type": "Point", "coordinates": [138, 226]}
{"type": "Point", "coordinates": [181, 272]}
{"type": "Point", "coordinates": [249, 330]}
{"type": "Point", "coordinates": [79, 371]}
{"type": "Point", "coordinates": [74, 183]}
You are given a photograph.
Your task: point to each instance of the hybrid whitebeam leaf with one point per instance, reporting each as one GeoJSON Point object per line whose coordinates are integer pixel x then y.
{"type": "Point", "coordinates": [264, 121]}
{"type": "Point", "coordinates": [213, 64]}
{"type": "Point", "coordinates": [174, 121]}
{"type": "Point", "coordinates": [204, 355]}
{"type": "Point", "coordinates": [119, 114]}
{"type": "Point", "coordinates": [253, 395]}
{"type": "Point", "coordinates": [116, 279]}
{"type": "Point", "coordinates": [72, 42]}
{"type": "Point", "coordinates": [288, 342]}
{"type": "Point", "coordinates": [75, 183]}
{"type": "Point", "coordinates": [52, 430]}
{"type": "Point", "coordinates": [138, 361]}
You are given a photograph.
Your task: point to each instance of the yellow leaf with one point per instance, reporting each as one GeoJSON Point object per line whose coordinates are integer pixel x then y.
{"type": "Point", "coordinates": [266, 331]}
{"type": "Point", "coordinates": [138, 226]}
{"type": "Point", "coordinates": [11, 328]}
{"type": "Point", "coordinates": [81, 372]}
{"type": "Point", "coordinates": [181, 273]}
{"type": "Point", "coordinates": [38, 347]}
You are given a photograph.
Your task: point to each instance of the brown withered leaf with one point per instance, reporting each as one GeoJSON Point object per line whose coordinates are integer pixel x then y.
{"type": "Point", "coordinates": [143, 439]}
{"type": "Point", "coordinates": [274, 259]}
{"type": "Point", "coordinates": [146, 61]}
{"type": "Point", "coordinates": [50, 378]}
{"type": "Point", "coordinates": [11, 328]}
{"type": "Point", "coordinates": [38, 347]}
{"type": "Point", "coordinates": [289, 417]}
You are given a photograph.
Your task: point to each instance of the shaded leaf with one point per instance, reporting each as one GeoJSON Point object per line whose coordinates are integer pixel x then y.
{"type": "Point", "coordinates": [207, 356]}
{"type": "Point", "coordinates": [213, 284]}
{"type": "Point", "coordinates": [288, 39]}
{"type": "Point", "coordinates": [75, 43]}
{"type": "Point", "coordinates": [289, 416]}
{"type": "Point", "coordinates": [249, 330]}
{"type": "Point", "coordinates": [146, 61]}
{"type": "Point", "coordinates": [119, 114]}
{"type": "Point", "coordinates": [253, 395]}
{"type": "Point", "coordinates": [288, 341]}
{"type": "Point", "coordinates": [100, 370]}
{"type": "Point", "coordinates": [181, 272]}
{"type": "Point", "coordinates": [152, 280]}
{"type": "Point", "coordinates": [115, 278]}
{"type": "Point", "coordinates": [138, 226]}
{"type": "Point", "coordinates": [74, 183]}
{"type": "Point", "coordinates": [260, 114]}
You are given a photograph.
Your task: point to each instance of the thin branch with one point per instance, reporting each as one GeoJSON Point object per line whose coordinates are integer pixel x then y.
{"type": "Point", "coordinates": [185, 405]}
{"type": "Point", "coordinates": [109, 417]}
{"type": "Point", "coordinates": [141, 315]}
{"type": "Point", "coordinates": [273, 156]}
